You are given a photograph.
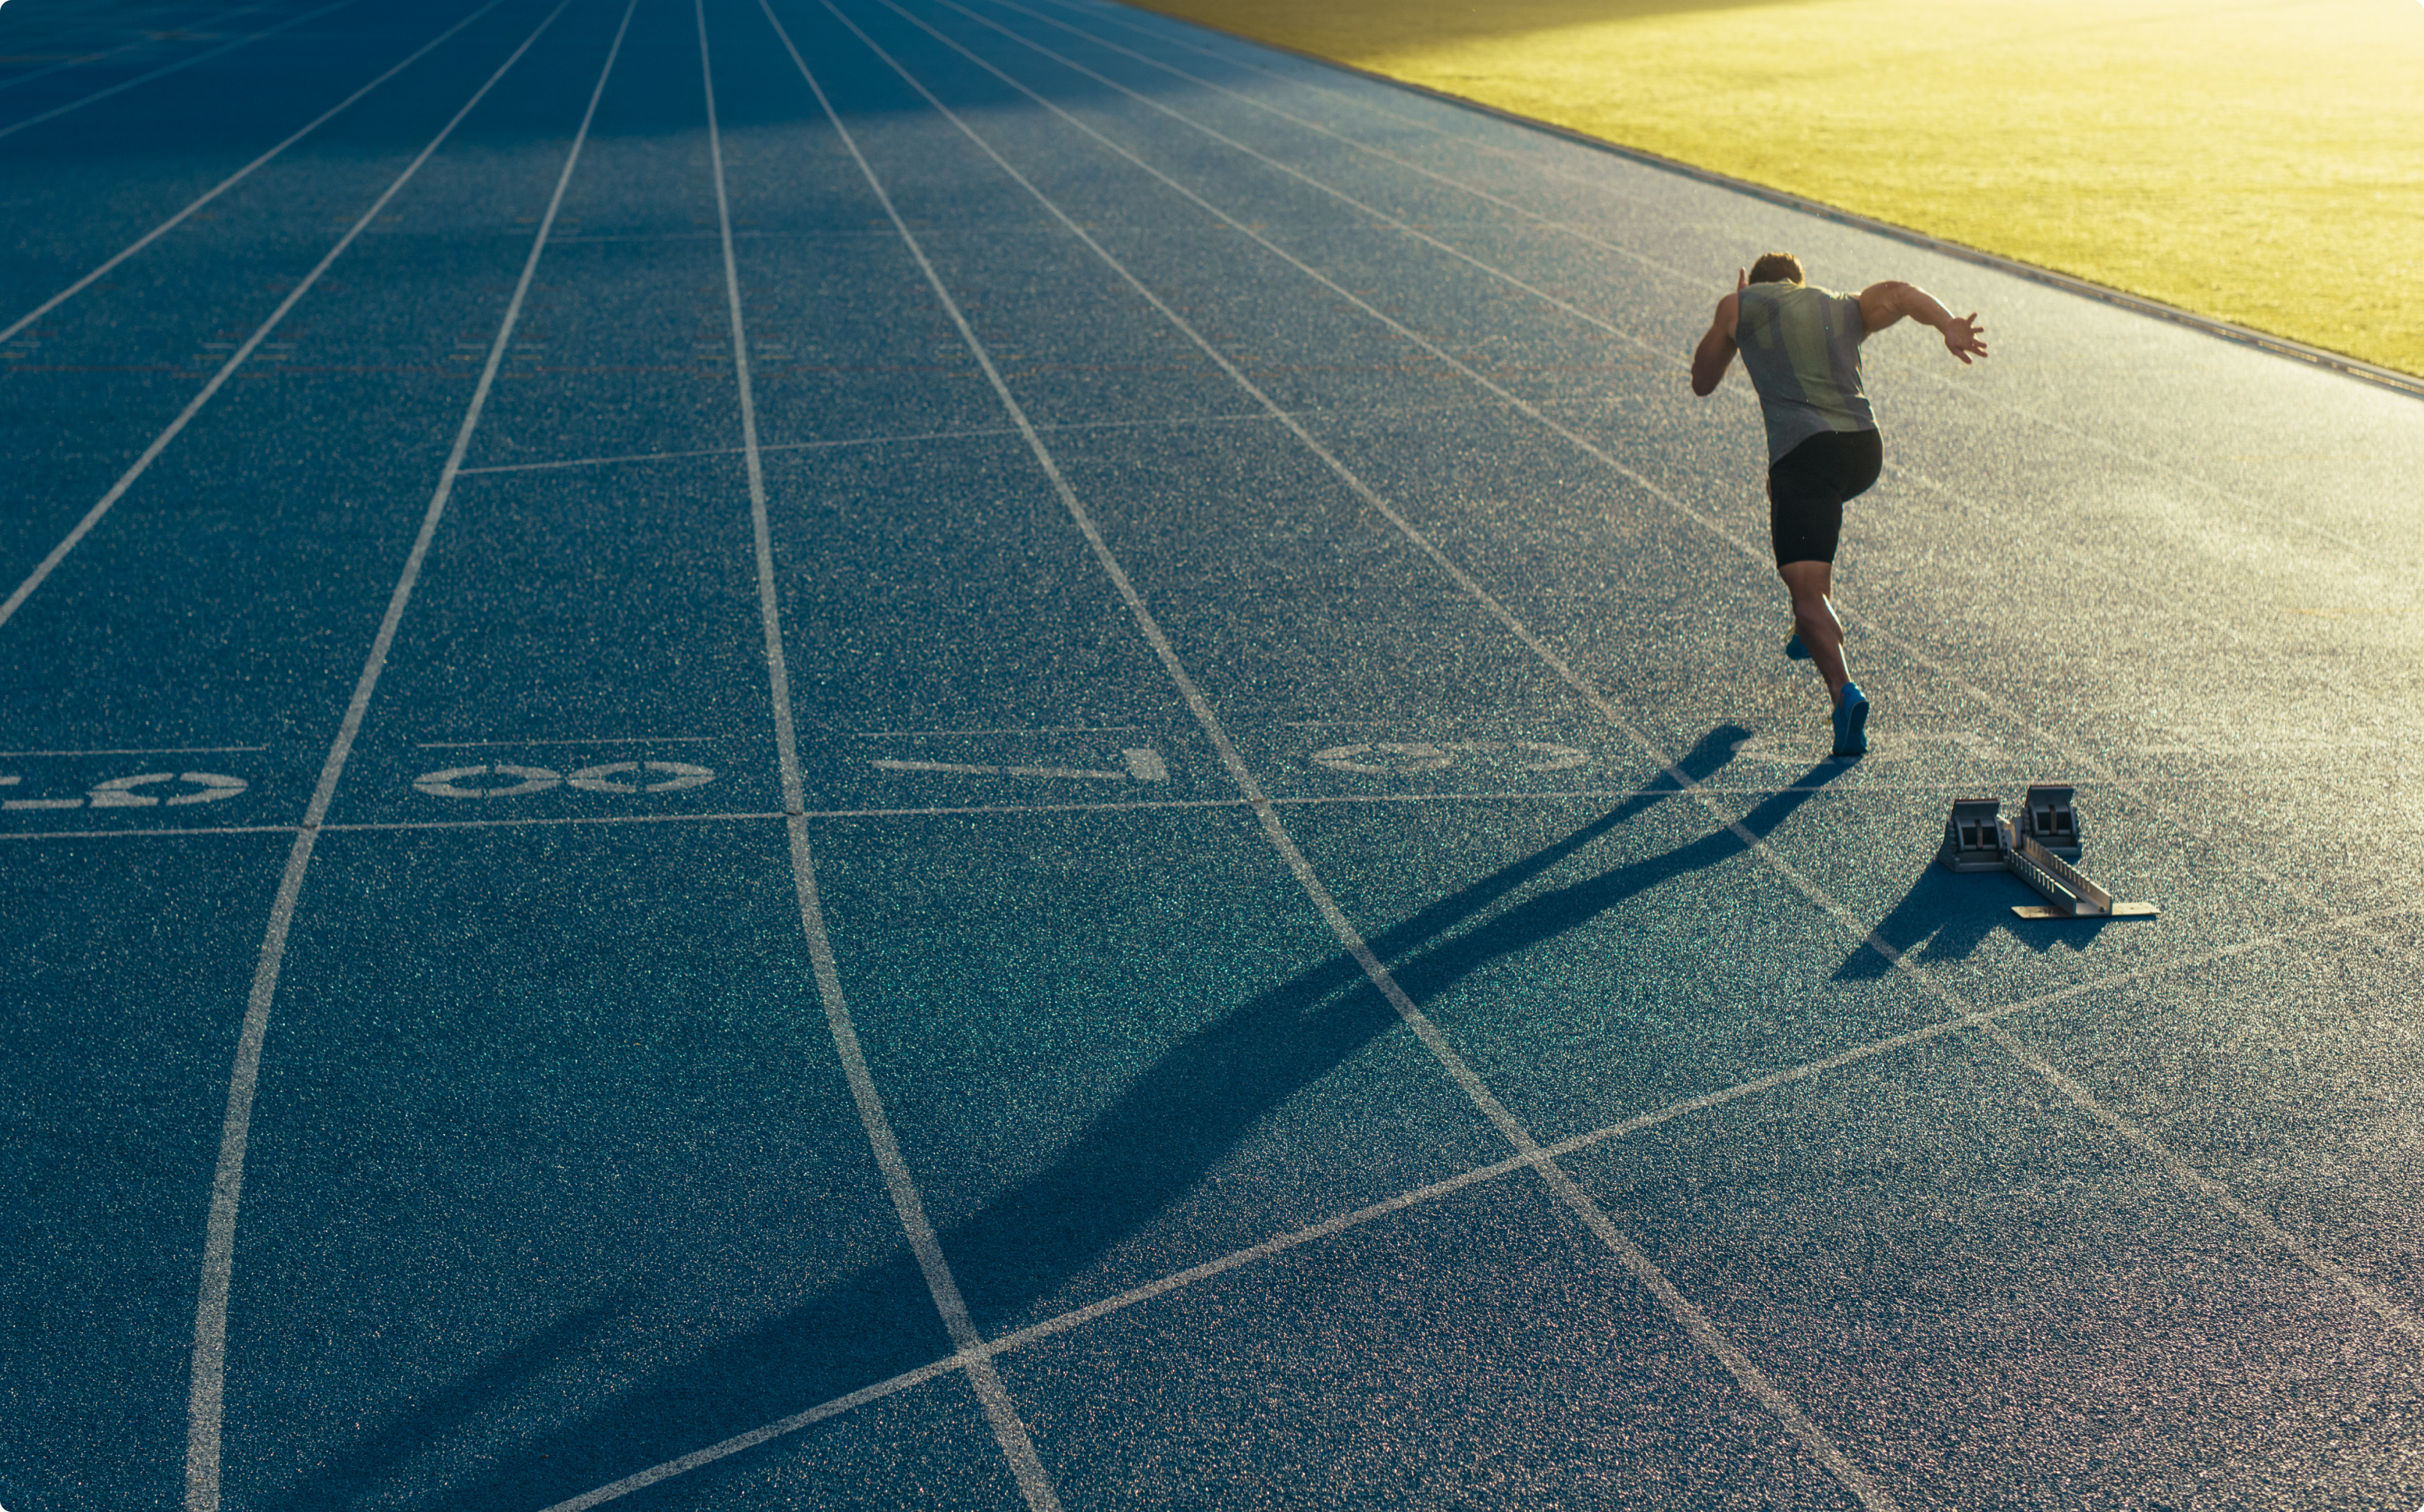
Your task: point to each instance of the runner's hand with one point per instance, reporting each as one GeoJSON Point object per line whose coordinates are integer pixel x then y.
{"type": "Point", "coordinates": [1961, 337]}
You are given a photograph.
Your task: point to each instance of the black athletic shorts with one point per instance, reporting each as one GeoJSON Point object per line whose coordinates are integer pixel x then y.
{"type": "Point", "coordinates": [1807, 486]}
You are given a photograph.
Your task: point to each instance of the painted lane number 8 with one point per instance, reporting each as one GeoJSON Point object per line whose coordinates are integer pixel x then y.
{"type": "Point", "coordinates": [518, 782]}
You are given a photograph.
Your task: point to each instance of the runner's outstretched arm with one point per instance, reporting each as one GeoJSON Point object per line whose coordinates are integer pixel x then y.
{"type": "Point", "coordinates": [1882, 304]}
{"type": "Point", "coordinates": [1715, 352]}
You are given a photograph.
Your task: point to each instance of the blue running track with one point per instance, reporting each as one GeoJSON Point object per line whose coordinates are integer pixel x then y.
{"type": "Point", "coordinates": [986, 754]}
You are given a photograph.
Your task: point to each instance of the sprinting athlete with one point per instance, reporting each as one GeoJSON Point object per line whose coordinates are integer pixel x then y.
{"type": "Point", "coordinates": [1802, 348]}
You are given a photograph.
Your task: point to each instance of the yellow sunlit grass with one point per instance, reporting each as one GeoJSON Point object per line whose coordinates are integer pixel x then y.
{"type": "Point", "coordinates": [2260, 163]}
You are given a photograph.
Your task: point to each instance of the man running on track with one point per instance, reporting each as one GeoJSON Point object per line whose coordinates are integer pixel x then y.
{"type": "Point", "coordinates": [1801, 347]}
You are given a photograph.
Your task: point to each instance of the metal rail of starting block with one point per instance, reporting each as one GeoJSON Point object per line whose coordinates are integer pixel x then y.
{"type": "Point", "coordinates": [1978, 838]}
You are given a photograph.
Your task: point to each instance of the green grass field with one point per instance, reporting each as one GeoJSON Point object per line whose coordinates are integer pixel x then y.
{"type": "Point", "coordinates": [2259, 162]}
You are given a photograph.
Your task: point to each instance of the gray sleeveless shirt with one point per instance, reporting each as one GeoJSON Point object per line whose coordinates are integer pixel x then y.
{"type": "Point", "coordinates": [1802, 349]}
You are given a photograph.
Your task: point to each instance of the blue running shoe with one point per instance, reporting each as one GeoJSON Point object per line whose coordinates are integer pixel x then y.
{"type": "Point", "coordinates": [1852, 721]}
{"type": "Point", "coordinates": [1794, 651]}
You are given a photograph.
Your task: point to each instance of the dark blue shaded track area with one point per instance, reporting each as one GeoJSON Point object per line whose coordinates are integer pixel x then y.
{"type": "Point", "coordinates": [984, 753]}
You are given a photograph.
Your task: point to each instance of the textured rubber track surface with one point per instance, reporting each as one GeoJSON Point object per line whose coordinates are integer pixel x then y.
{"type": "Point", "coordinates": [1044, 765]}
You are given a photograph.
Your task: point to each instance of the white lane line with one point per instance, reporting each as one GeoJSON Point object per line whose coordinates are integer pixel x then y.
{"type": "Point", "coordinates": [1017, 1447]}
{"type": "Point", "coordinates": [206, 1397]}
{"type": "Point", "coordinates": [369, 826]}
{"type": "Point", "coordinates": [98, 95]}
{"type": "Point", "coordinates": [604, 461]}
{"type": "Point", "coordinates": [151, 750]}
{"type": "Point", "coordinates": [644, 1479]}
{"type": "Point", "coordinates": [1695, 1323]}
{"type": "Point", "coordinates": [976, 433]}
{"type": "Point", "coordinates": [1279, 1244]}
{"type": "Point", "coordinates": [1035, 729]}
{"type": "Point", "coordinates": [735, 451]}
{"type": "Point", "coordinates": [586, 740]}
{"type": "Point", "coordinates": [111, 834]}
{"type": "Point", "coordinates": [218, 380]}
{"type": "Point", "coordinates": [232, 180]}
{"type": "Point", "coordinates": [2178, 1169]}
{"type": "Point", "coordinates": [1001, 771]}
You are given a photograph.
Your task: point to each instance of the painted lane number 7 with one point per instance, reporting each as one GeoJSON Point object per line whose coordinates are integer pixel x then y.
{"type": "Point", "coordinates": [126, 792]}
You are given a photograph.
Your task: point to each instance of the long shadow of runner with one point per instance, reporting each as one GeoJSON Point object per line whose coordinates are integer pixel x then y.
{"type": "Point", "coordinates": [1140, 1155]}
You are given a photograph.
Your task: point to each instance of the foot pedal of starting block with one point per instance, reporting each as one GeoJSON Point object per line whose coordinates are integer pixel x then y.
{"type": "Point", "coordinates": [1972, 837]}
{"type": "Point", "coordinates": [2048, 818]}
{"type": "Point", "coordinates": [2045, 911]}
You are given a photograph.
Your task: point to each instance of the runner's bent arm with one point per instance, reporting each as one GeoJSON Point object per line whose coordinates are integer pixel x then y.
{"type": "Point", "coordinates": [1882, 304]}
{"type": "Point", "coordinates": [1715, 352]}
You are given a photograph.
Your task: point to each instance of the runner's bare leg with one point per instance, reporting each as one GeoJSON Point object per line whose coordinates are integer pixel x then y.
{"type": "Point", "coordinates": [1813, 616]}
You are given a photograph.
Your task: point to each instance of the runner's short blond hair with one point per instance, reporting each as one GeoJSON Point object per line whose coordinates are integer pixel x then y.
{"type": "Point", "coordinates": [1776, 268]}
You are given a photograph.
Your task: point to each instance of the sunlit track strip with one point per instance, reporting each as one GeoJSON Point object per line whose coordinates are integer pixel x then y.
{"type": "Point", "coordinates": [1002, 1415]}
{"type": "Point", "coordinates": [1296, 1239]}
{"type": "Point", "coordinates": [1679, 1309]}
{"type": "Point", "coordinates": [2175, 1166]}
{"type": "Point", "coordinates": [2001, 709]}
{"type": "Point", "coordinates": [2267, 512]}
{"type": "Point", "coordinates": [233, 179]}
{"type": "Point", "coordinates": [2178, 1169]}
{"type": "Point", "coordinates": [206, 1401]}
{"type": "Point", "coordinates": [98, 95]}
{"type": "Point", "coordinates": [227, 370]}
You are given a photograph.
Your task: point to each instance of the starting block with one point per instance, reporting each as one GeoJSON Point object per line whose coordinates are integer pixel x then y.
{"type": "Point", "coordinates": [2038, 850]}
